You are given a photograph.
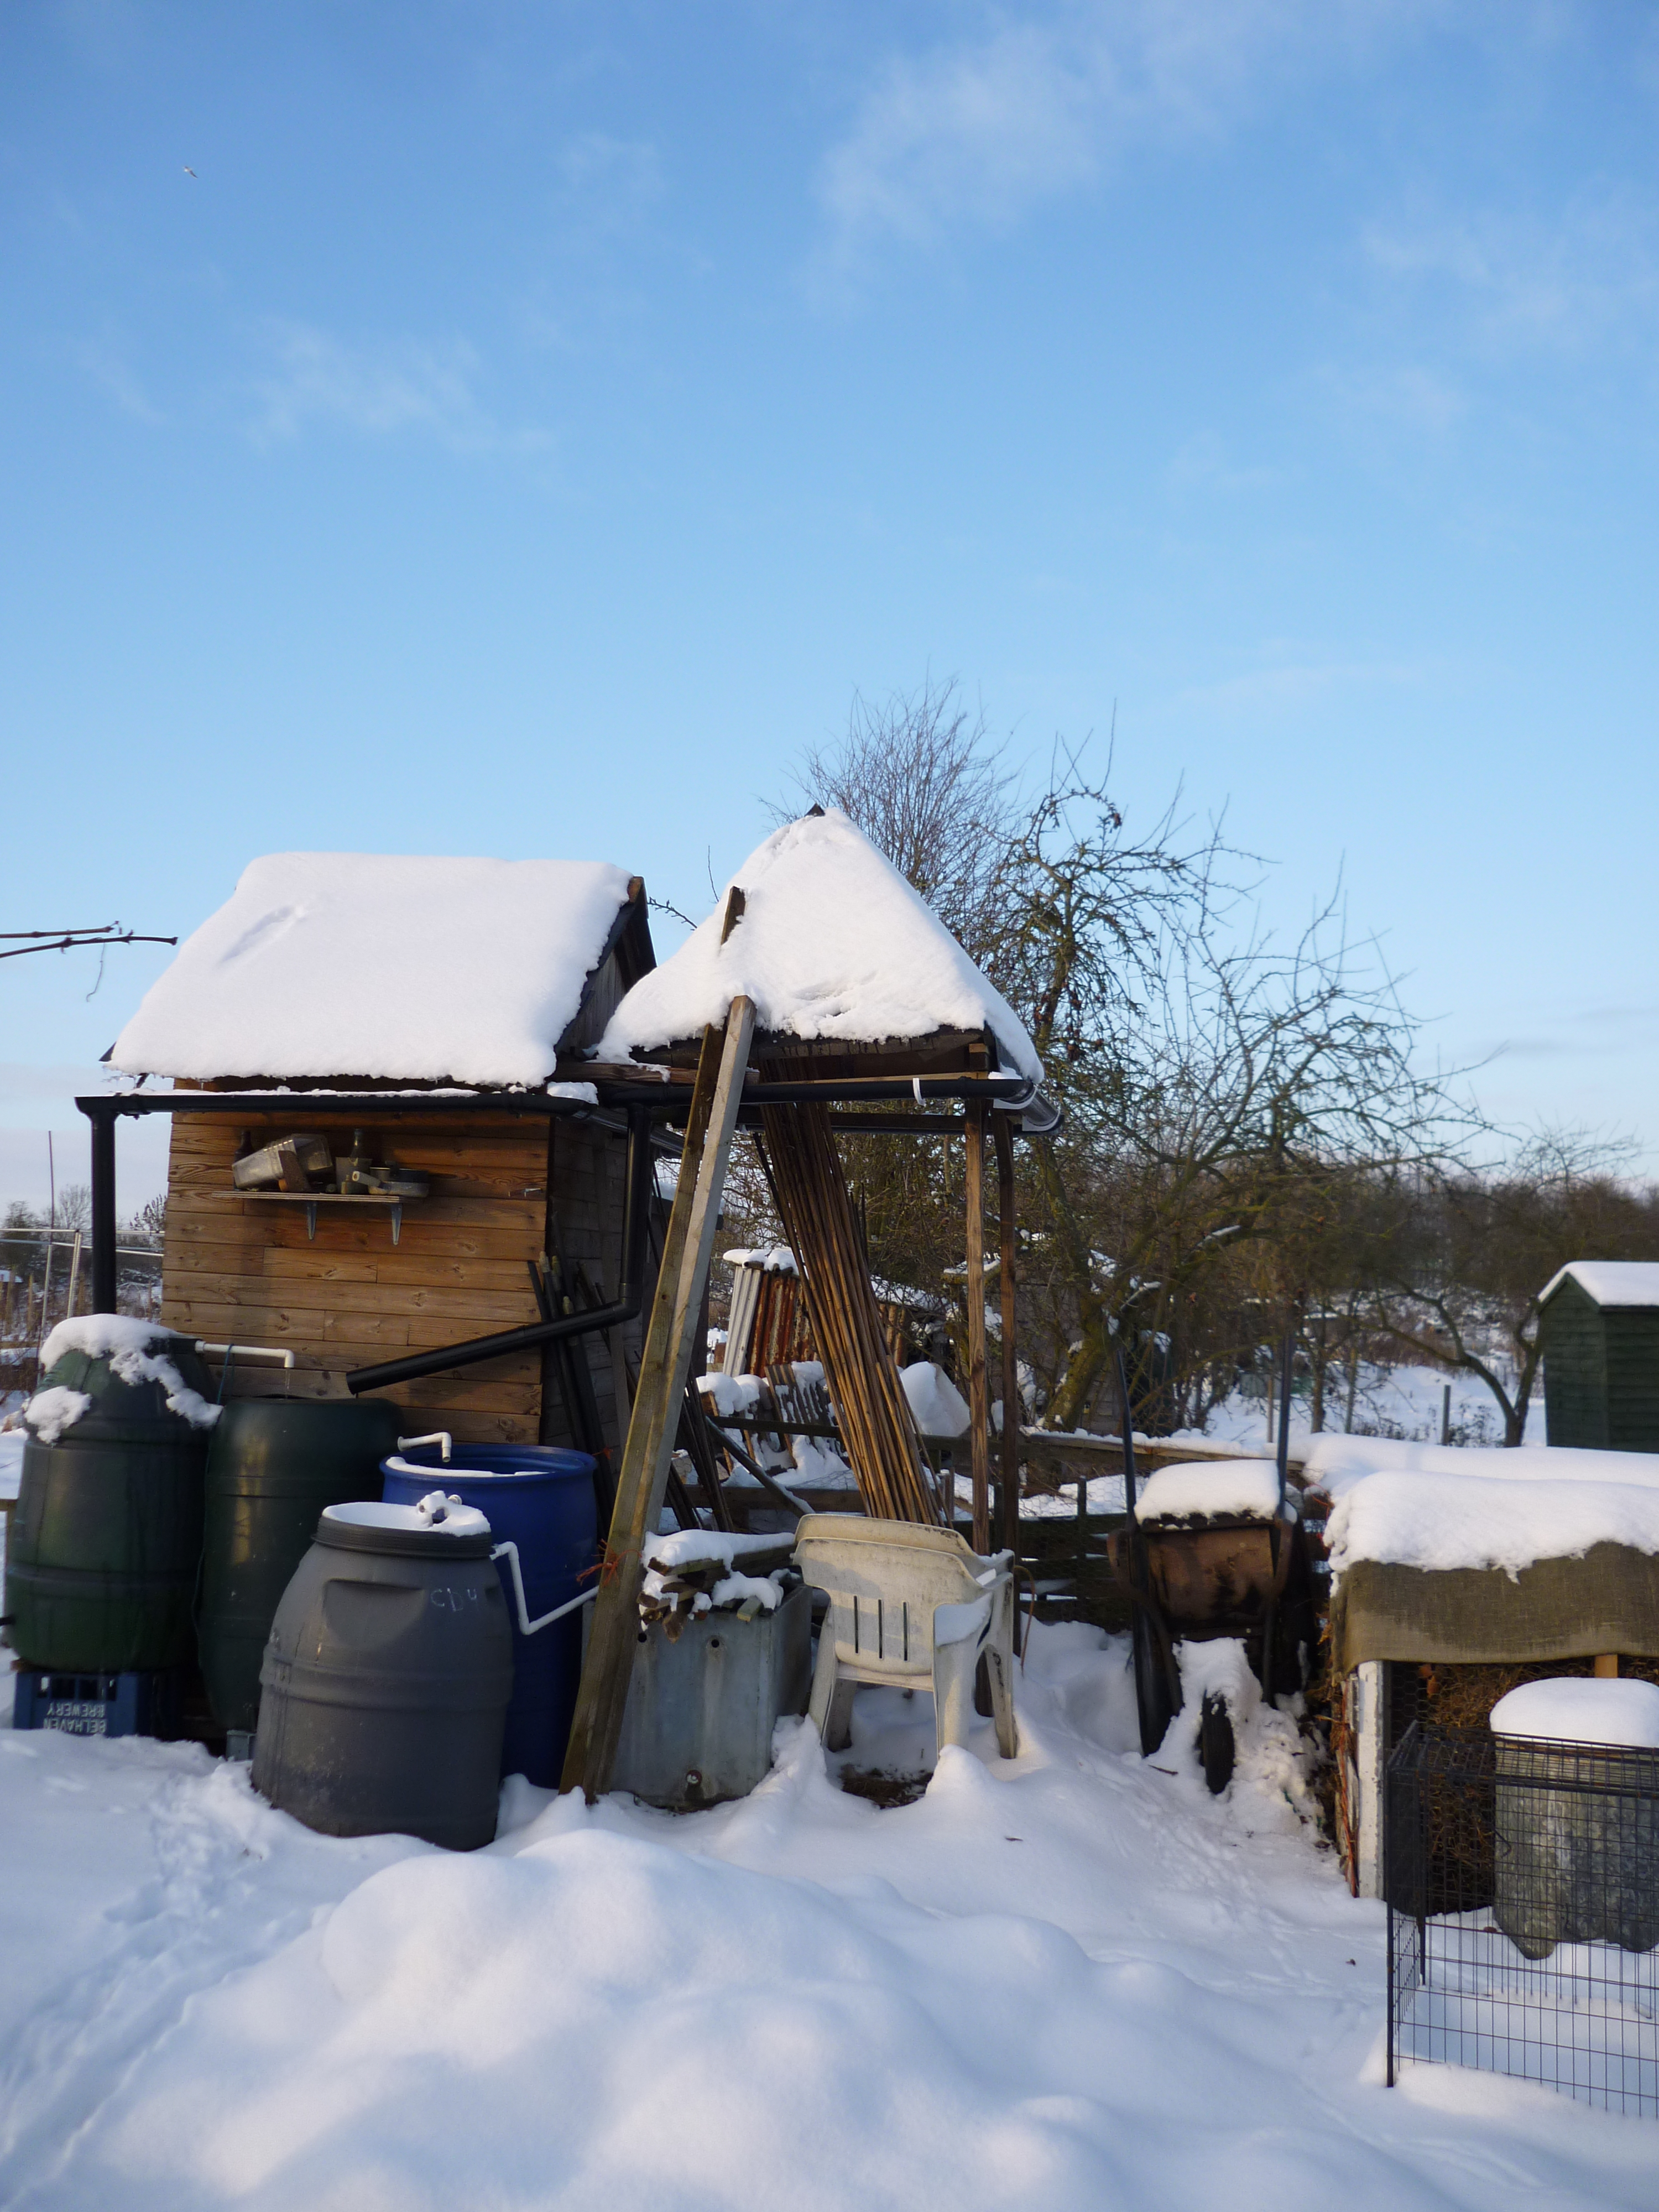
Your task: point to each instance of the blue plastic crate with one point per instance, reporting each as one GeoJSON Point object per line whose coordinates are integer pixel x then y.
{"type": "Point", "coordinates": [94, 1705]}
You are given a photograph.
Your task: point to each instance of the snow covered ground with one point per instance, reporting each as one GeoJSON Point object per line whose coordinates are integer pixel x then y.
{"type": "Point", "coordinates": [1389, 1401]}
{"type": "Point", "coordinates": [1072, 1981]}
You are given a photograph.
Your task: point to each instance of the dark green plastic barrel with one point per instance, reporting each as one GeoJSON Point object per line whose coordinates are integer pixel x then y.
{"type": "Point", "coordinates": [106, 1539]}
{"type": "Point", "coordinates": [274, 1465]}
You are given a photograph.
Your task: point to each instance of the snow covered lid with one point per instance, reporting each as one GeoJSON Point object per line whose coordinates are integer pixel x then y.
{"type": "Point", "coordinates": [1204, 1488]}
{"type": "Point", "coordinates": [378, 965]}
{"type": "Point", "coordinates": [833, 944]}
{"type": "Point", "coordinates": [105, 1336]}
{"type": "Point", "coordinates": [454, 1519]}
{"type": "Point", "coordinates": [1336, 1462]}
{"type": "Point", "coordinates": [137, 1352]}
{"type": "Point", "coordinates": [1442, 1522]}
{"type": "Point", "coordinates": [1582, 1709]}
{"type": "Point", "coordinates": [1609, 1282]}
{"type": "Point", "coordinates": [693, 1547]}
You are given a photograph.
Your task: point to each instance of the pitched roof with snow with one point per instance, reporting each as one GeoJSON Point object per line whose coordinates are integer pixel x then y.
{"type": "Point", "coordinates": [833, 945]}
{"type": "Point", "coordinates": [1610, 1282]}
{"type": "Point", "coordinates": [368, 964]}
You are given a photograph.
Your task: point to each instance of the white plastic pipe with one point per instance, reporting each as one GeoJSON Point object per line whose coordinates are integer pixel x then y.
{"type": "Point", "coordinates": [440, 1437]}
{"type": "Point", "coordinates": [509, 1552]}
{"type": "Point", "coordinates": [247, 1351]}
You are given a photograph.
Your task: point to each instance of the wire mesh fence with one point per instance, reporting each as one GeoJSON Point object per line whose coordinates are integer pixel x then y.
{"type": "Point", "coordinates": [1522, 1887]}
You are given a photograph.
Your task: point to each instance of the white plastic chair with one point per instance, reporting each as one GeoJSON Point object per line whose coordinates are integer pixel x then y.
{"type": "Point", "coordinates": [908, 1605]}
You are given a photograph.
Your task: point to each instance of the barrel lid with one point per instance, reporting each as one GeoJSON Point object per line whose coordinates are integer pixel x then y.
{"type": "Point", "coordinates": [108, 1378]}
{"type": "Point", "coordinates": [438, 1526]}
{"type": "Point", "coordinates": [498, 1465]}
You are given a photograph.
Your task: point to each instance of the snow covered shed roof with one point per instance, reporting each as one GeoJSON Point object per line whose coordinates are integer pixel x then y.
{"type": "Point", "coordinates": [1609, 1282]}
{"type": "Point", "coordinates": [396, 969]}
{"type": "Point", "coordinates": [834, 947]}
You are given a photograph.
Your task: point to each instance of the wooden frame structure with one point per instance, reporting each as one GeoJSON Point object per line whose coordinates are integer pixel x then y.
{"type": "Point", "coordinates": [526, 1180]}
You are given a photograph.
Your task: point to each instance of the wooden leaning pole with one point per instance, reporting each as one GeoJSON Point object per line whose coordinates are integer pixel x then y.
{"type": "Point", "coordinates": [979, 1392]}
{"type": "Point", "coordinates": [658, 1398]}
{"type": "Point", "coordinates": [1008, 1533]}
{"type": "Point", "coordinates": [986, 1126]}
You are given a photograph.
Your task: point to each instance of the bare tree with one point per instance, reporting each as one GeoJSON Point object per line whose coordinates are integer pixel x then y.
{"type": "Point", "coordinates": [920, 777]}
{"type": "Point", "coordinates": [1232, 1109]}
{"type": "Point", "coordinates": [1462, 1254]}
{"type": "Point", "coordinates": [75, 1208]}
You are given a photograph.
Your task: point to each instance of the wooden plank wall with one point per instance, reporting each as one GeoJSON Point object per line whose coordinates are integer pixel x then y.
{"type": "Point", "coordinates": [239, 1268]}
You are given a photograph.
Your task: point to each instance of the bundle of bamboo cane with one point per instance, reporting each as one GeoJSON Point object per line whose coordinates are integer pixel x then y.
{"type": "Point", "coordinates": [877, 1426]}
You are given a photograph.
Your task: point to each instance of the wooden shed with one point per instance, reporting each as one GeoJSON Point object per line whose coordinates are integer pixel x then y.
{"type": "Point", "coordinates": [1600, 1319]}
{"type": "Point", "coordinates": [410, 1014]}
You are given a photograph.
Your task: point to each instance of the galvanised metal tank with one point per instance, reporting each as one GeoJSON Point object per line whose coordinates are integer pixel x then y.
{"type": "Point", "coordinates": [541, 1499]}
{"type": "Point", "coordinates": [272, 1466]}
{"type": "Point", "coordinates": [384, 1683]}
{"type": "Point", "coordinates": [105, 1541]}
{"type": "Point", "coordinates": [1576, 1819]}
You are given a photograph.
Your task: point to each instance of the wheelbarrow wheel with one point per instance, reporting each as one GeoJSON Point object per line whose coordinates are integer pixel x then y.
{"type": "Point", "coordinates": [1215, 1747]}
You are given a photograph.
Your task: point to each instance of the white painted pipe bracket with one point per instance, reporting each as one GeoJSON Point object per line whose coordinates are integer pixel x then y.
{"type": "Point", "coordinates": [442, 1437]}
{"type": "Point", "coordinates": [509, 1552]}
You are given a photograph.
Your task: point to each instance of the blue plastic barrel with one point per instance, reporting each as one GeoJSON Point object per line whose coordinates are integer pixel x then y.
{"type": "Point", "coordinates": [542, 1500]}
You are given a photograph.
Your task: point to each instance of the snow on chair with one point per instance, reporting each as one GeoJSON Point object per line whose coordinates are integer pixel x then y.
{"type": "Point", "coordinates": [908, 1605]}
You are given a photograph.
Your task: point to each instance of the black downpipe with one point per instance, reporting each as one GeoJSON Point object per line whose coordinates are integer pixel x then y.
{"type": "Point", "coordinates": [103, 1208]}
{"type": "Point", "coordinates": [629, 1299]}
{"type": "Point", "coordinates": [568, 1360]}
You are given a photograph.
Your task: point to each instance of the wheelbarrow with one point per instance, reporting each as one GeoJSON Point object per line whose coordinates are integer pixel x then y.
{"type": "Point", "coordinates": [1210, 1551]}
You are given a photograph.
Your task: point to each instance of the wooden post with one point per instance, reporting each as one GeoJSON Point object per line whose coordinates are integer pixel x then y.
{"type": "Point", "coordinates": [1008, 1535]}
{"type": "Point", "coordinates": [659, 1399]}
{"type": "Point", "coordinates": [979, 1406]}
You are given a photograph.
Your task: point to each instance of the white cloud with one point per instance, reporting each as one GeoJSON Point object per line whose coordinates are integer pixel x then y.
{"type": "Point", "coordinates": [621, 172]}
{"type": "Point", "coordinates": [979, 131]}
{"type": "Point", "coordinates": [403, 384]}
{"type": "Point", "coordinates": [1405, 396]}
{"type": "Point", "coordinates": [110, 371]}
{"type": "Point", "coordinates": [1567, 280]}
{"type": "Point", "coordinates": [1291, 685]}
{"type": "Point", "coordinates": [1202, 466]}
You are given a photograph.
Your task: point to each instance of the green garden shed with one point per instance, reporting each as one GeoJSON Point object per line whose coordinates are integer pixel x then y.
{"type": "Point", "coordinates": [1600, 1319]}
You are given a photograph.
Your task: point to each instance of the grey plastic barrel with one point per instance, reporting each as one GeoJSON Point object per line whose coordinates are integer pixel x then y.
{"type": "Point", "coordinates": [384, 1683]}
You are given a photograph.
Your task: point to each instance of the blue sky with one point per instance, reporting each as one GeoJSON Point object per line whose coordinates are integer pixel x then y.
{"type": "Point", "coordinates": [532, 423]}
